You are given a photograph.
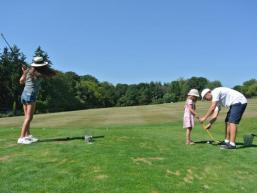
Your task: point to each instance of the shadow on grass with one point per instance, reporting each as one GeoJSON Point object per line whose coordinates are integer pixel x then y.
{"type": "Point", "coordinates": [207, 142]}
{"type": "Point", "coordinates": [84, 138]}
{"type": "Point", "coordinates": [239, 145]}
{"type": "Point", "coordinates": [248, 146]}
{"type": "Point", "coordinates": [203, 142]}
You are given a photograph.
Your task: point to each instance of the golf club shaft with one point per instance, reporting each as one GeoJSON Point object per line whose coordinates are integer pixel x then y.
{"type": "Point", "coordinates": [210, 135]}
{"type": "Point", "coordinates": [7, 42]}
{"type": "Point", "coordinates": [208, 132]}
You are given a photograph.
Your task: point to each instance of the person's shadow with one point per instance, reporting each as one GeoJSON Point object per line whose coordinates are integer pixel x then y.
{"type": "Point", "coordinates": [238, 145]}
{"type": "Point", "coordinates": [206, 142]}
{"type": "Point", "coordinates": [246, 146]}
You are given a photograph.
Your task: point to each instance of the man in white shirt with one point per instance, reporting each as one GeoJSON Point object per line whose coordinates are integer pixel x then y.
{"type": "Point", "coordinates": [235, 102]}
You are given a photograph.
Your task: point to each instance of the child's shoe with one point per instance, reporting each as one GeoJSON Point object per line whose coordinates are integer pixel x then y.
{"type": "Point", "coordinates": [190, 143]}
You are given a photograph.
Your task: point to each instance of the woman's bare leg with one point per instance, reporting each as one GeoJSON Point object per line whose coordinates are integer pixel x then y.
{"type": "Point", "coordinates": [33, 111]}
{"type": "Point", "coordinates": [28, 112]}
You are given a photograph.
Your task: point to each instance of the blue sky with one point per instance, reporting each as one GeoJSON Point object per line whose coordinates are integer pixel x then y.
{"type": "Point", "coordinates": [132, 41]}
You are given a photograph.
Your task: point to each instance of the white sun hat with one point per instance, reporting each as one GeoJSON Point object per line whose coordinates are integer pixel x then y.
{"type": "Point", "coordinates": [38, 61]}
{"type": "Point", "coordinates": [193, 92]}
{"type": "Point", "coordinates": [204, 92]}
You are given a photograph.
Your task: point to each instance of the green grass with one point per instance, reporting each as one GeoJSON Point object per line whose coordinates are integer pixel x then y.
{"type": "Point", "coordinates": [143, 151]}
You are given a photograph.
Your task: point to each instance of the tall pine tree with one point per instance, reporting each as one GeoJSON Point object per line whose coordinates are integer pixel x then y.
{"type": "Point", "coordinates": [10, 72]}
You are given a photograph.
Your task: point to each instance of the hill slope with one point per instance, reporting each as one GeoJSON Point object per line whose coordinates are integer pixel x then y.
{"type": "Point", "coordinates": [143, 151]}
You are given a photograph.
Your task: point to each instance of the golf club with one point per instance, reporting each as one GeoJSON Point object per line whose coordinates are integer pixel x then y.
{"type": "Point", "coordinates": [87, 138]}
{"type": "Point", "coordinates": [248, 139]}
{"type": "Point", "coordinates": [209, 133]}
{"type": "Point", "coordinates": [7, 42]}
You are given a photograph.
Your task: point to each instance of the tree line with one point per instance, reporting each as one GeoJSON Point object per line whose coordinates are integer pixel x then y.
{"type": "Point", "coordinates": [69, 91]}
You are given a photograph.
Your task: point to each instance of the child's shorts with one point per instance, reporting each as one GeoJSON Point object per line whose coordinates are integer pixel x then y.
{"type": "Point", "coordinates": [28, 96]}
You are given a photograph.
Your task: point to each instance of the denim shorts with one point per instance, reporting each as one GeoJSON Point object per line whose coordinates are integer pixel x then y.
{"type": "Point", "coordinates": [28, 96]}
{"type": "Point", "coordinates": [235, 113]}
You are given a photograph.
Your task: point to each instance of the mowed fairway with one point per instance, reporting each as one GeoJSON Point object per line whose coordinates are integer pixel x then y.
{"type": "Point", "coordinates": [143, 151]}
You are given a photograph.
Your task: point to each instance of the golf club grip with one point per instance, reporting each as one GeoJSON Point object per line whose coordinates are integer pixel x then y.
{"type": "Point", "coordinates": [203, 126]}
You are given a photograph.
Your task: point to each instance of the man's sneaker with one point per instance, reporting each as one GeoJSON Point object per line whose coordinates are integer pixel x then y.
{"type": "Point", "coordinates": [23, 140]}
{"type": "Point", "coordinates": [223, 143]}
{"type": "Point", "coordinates": [31, 138]}
{"type": "Point", "coordinates": [228, 146]}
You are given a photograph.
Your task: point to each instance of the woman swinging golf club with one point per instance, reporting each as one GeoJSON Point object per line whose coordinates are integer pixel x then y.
{"type": "Point", "coordinates": [232, 99]}
{"type": "Point", "coordinates": [32, 77]}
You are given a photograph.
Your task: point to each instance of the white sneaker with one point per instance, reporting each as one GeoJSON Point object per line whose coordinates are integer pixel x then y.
{"type": "Point", "coordinates": [23, 140]}
{"type": "Point", "coordinates": [31, 138]}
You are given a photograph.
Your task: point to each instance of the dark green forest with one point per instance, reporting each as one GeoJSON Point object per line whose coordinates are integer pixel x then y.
{"type": "Point", "coordinates": [69, 91]}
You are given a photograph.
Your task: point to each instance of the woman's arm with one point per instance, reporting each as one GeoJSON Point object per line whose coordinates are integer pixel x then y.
{"type": "Point", "coordinates": [23, 76]}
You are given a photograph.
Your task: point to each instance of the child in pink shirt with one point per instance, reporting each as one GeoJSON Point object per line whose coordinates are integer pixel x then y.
{"type": "Point", "coordinates": [189, 114]}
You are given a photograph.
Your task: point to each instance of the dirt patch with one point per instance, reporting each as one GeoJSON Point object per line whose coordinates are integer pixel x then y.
{"type": "Point", "coordinates": [122, 138]}
{"type": "Point", "coordinates": [198, 177]}
{"type": "Point", "coordinates": [145, 146]}
{"type": "Point", "coordinates": [4, 158]}
{"type": "Point", "coordinates": [98, 172]}
{"type": "Point", "coordinates": [145, 160]}
{"type": "Point", "coordinates": [176, 173]}
{"type": "Point", "coordinates": [62, 162]}
{"type": "Point", "coordinates": [101, 177]}
{"type": "Point", "coordinates": [11, 145]}
{"type": "Point", "coordinates": [156, 158]}
{"type": "Point", "coordinates": [189, 176]}
{"type": "Point", "coordinates": [188, 179]}
{"type": "Point", "coordinates": [96, 169]}
{"type": "Point", "coordinates": [141, 160]}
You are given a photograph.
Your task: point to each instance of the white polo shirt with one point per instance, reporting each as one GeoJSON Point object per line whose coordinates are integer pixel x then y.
{"type": "Point", "coordinates": [227, 96]}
